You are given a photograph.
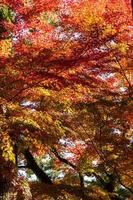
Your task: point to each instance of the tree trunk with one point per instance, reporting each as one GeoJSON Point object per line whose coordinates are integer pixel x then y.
{"type": "Point", "coordinates": [7, 175]}
{"type": "Point", "coordinates": [4, 187]}
{"type": "Point", "coordinates": [41, 175]}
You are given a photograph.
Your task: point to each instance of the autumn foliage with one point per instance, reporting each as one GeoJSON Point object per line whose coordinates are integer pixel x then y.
{"type": "Point", "coordinates": [66, 99]}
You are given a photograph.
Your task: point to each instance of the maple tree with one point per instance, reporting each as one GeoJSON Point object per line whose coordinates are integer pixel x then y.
{"type": "Point", "coordinates": [66, 91]}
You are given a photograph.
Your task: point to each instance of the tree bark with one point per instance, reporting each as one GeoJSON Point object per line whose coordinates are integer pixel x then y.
{"type": "Point", "coordinates": [31, 163]}
{"type": "Point", "coordinates": [7, 175]}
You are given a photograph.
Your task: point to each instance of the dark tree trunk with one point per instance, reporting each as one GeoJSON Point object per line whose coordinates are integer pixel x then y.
{"type": "Point", "coordinates": [31, 163]}
{"type": "Point", "coordinates": [4, 187]}
{"type": "Point", "coordinates": [7, 175]}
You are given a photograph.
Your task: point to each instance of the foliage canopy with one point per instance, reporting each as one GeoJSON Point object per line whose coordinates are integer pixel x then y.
{"type": "Point", "coordinates": [66, 99]}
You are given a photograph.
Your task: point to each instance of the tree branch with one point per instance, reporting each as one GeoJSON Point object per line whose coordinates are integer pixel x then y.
{"type": "Point", "coordinates": [23, 166]}
{"type": "Point", "coordinates": [120, 181]}
{"type": "Point", "coordinates": [53, 150]}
